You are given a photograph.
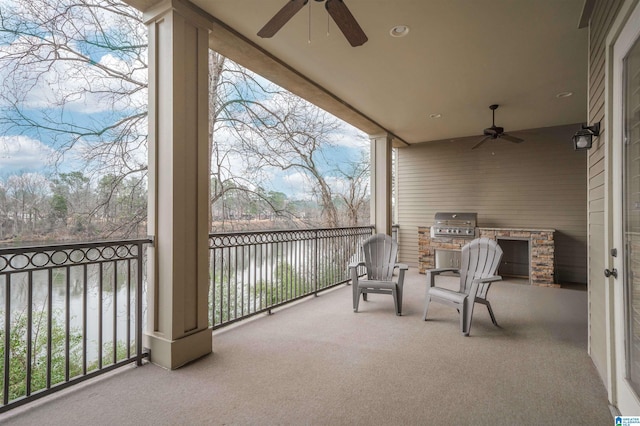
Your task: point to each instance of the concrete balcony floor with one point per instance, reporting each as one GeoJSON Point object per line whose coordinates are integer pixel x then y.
{"type": "Point", "coordinates": [318, 362]}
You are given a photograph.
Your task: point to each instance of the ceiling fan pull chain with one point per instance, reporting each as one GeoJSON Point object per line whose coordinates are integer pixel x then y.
{"type": "Point", "coordinates": [309, 35]}
{"type": "Point", "coordinates": [328, 23]}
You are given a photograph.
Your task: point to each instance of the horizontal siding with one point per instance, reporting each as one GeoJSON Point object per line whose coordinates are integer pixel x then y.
{"type": "Point", "coordinates": [536, 184]}
{"type": "Point", "coordinates": [601, 21]}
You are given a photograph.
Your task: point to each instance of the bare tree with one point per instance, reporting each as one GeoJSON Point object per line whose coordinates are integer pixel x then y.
{"type": "Point", "coordinates": [290, 134]}
{"type": "Point", "coordinates": [74, 76]}
{"type": "Point", "coordinates": [234, 94]}
{"type": "Point", "coordinates": [353, 191]}
{"type": "Point", "coordinates": [26, 202]}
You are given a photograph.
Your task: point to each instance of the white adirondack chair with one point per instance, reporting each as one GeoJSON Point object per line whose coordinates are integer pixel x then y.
{"type": "Point", "coordinates": [480, 261]}
{"type": "Point", "coordinates": [380, 261]}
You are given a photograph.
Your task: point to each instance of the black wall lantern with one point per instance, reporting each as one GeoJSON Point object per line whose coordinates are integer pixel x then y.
{"type": "Point", "coordinates": [584, 137]}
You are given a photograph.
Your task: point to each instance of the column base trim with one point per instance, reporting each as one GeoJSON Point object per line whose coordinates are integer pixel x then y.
{"type": "Point", "coordinates": [173, 354]}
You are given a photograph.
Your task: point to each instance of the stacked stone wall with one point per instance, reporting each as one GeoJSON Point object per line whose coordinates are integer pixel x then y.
{"type": "Point", "coordinates": [541, 250]}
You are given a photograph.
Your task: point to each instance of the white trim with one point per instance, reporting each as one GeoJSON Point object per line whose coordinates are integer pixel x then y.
{"type": "Point", "coordinates": [589, 240]}
{"type": "Point", "coordinates": [197, 18]}
{"type": "Point", "coordinates": [380, 202]}
{"type": "Point", "coordinates": [623, 33]}
{"type": "Point", "coordinates": [177, 326]}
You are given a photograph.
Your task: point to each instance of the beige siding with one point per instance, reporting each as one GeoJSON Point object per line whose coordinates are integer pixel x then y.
{"type": "Point", "coordinates": [601, 21]}
{"type": "Point", "coordinates": [536, 184]}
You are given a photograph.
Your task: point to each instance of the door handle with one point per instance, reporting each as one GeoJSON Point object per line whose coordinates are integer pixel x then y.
{"type": "Point", "coordinates": [611, 273]}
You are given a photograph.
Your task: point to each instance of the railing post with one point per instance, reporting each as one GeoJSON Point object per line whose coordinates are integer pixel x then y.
{"type": "Point", "coordinates": [7, 338]}
{"type": "Point", "coordinates": [139, 297]}
{"type": "Point", "coordinates": [316, 260]}
{"type": "Point", "coordinates": [49, 325]}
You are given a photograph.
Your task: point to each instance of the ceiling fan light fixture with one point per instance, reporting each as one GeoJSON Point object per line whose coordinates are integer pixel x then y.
{"type": "Point", "coordinates": [495, 132]}
{"type": "Point", "coordinates": [399, 31]}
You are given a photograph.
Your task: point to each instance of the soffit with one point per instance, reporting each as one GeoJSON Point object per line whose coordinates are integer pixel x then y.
{"type": "Point", "coordinates": [459, 57]}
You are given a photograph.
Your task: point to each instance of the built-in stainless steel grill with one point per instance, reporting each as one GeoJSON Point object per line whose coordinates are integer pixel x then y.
{"type": "Point", "coordinates": [461, 225]}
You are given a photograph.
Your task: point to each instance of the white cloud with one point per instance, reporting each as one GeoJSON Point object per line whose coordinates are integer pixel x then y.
{"type": "Point", "coordinates": [67, 82]}
{"type": "Point", "coordinates": [350, 137]}
{"type": "Point", "coordinates": [44, 82]}
{"type": "Point", "coordinates": [296, 179]}
{"type": "Point", "coordinates": [23, 153]}
{"type": "Point", "coordinates": [296, 185]}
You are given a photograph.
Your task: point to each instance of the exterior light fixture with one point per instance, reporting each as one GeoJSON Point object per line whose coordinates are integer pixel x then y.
{"type": "Point", "coordinates": [583, 138]}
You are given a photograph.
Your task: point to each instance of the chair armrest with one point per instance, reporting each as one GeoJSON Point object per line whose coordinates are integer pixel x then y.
{"type": "Point", "coordinates": [482, 285]}
{"type": "Point", "coordinates": [432, 273]}
{"type": "Point", "coordinates": [438, 271]}
{"type": "Point", "coordinates": [488, 279]}
{"type": "Point", "coordinates": [353, 272]}
{"type": "Point", "coordinates": [401, 266]}
{"type": "Point", "coordinates": [356, 264]}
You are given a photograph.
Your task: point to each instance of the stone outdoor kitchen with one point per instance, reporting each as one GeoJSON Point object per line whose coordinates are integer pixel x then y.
{"type": "Point", "coordinates": [540, 248]}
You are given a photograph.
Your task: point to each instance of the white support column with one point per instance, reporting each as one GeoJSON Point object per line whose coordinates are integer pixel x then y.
{"type": "Point", "coordinates": [381, 183]}
{"type": "Point", "coordinates": [177, 323]}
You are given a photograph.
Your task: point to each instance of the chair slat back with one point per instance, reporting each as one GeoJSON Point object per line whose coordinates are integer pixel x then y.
{"type": "Point", "coordinates": [379, 256]}
{"type": "Point", "coordinates": [480, 259]}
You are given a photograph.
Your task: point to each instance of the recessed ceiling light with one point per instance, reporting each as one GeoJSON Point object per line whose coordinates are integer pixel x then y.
{"type": "Point", "coordinates": [564, 94]}
{"type": "Point", "coordinates": [399, 31]}
{"type": "Point", "coordinates": [435, 115]}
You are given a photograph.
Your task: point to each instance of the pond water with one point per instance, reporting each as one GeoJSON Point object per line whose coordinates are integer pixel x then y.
{"type": "Point", "coordinates": [107, 308]}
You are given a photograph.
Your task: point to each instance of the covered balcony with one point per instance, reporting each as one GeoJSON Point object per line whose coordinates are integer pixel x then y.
{"type": "Point", "coordinates": [318, 362]}
{"type": "Point", "coordinates": [426, 94]}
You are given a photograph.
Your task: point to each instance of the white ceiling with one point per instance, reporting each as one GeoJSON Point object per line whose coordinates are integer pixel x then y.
{"type": "Point", "coordinates": [459, 57]}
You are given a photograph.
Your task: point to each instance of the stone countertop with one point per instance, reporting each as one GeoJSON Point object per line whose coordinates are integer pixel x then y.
{"type": "Point", "coordinates": [504, 229]}
{"type": "Point", "coordinates": [517, 229]}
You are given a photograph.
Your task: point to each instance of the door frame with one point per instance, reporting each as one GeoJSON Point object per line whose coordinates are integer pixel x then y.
{"type": "Point", "coordinates": [623, 34]}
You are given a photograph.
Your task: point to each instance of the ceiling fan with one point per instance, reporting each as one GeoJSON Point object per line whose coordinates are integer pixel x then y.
{"type": "Point", "coordinates": [337, 10]}
{"type": "Point", "coordinates": [495, 132]}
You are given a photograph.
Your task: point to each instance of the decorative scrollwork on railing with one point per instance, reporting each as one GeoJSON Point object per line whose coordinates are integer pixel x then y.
{"type": "Point", "coordinates": [253, 272]}
{"type": "Point", "coordinates": [238, 239]}
{"type": "Point", "coordinates": [42, 257]}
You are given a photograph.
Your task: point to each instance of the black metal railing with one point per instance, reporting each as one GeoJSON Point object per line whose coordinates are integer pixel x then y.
{"type": "Point", "coordinates": [68, 313]}
{"type": "Point", "coordinates": [254, 272]}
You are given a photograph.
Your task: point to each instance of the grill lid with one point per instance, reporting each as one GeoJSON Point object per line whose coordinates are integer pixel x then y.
{"type": "Point", "coordinates": [454, 224]}
{"type": "Point", "coordinates": [456, 219]}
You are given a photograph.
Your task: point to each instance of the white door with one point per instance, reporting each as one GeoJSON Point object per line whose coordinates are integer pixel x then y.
{"type": "Point", "coordinates": [626, 210]}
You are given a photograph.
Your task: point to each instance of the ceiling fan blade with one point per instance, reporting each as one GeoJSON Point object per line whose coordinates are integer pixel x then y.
{"type": "Point", "coordinates": [511, 138]}
{"type": "Point", "coordinates": [483, 140]}
{"type": "Point", "coordinates": [346, 22]}
{"type": "Point", "coordinates": [282, 17]}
